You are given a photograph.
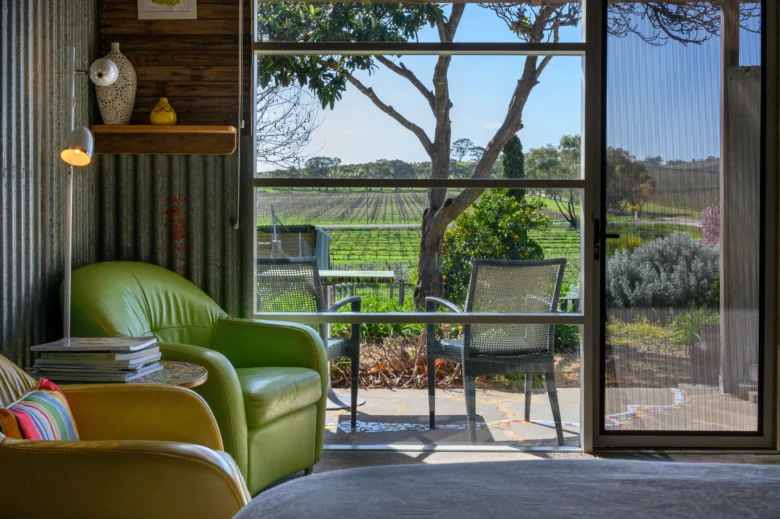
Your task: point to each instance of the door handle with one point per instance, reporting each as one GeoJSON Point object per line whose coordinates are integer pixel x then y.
{"type": "Point", "coordinates": [601, 234]}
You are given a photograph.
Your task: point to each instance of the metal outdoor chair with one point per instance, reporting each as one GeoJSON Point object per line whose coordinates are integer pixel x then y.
{"type": "Point", "coordinates": [494, 349]}
{"type": "Point", "coordinates": [293, 285]}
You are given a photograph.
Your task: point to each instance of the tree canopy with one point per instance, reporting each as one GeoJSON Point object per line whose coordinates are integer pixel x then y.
{"type": "Point", "coordinates": [513, 164]}
{"type": "Point", "coordinates": [328, 76]}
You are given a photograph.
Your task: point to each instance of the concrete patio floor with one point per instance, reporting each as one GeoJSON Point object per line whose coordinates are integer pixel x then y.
{"type": "Point", "coordinates": [400, 417]}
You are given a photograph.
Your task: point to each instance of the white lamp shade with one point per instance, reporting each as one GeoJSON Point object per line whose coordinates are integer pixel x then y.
{"type": "Point", "coordinates": [103, 72]}
{"type": "Point", "coordinates": [79, 147]}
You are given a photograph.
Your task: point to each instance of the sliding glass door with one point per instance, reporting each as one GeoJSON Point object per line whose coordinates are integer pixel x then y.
{"type": "Point", "coordinates": [685, 235]}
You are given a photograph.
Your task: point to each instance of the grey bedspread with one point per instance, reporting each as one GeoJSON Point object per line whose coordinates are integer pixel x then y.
{"type": "Point", "coordinates": [529, 489]}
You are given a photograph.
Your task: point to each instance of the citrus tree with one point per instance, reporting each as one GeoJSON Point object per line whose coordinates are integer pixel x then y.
{"type": "Point", "coordinates": [496, 227]}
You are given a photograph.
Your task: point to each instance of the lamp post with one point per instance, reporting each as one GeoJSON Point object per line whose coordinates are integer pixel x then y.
{"type": "Point", "coordinates": [77, 151]}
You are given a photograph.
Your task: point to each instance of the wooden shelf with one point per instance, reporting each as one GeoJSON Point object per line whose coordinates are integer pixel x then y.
{"type": "Point", "coordinates": [164, 140]}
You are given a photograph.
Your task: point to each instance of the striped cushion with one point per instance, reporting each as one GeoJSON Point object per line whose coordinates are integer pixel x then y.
{"type": "Point", "coordinates": [41, 415]}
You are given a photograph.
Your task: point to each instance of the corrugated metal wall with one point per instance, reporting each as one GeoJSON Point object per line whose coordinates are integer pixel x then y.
{"type": "Point", "coordinates": [177, 212]}
{"type": "Point", "coordinates": [34, 39]}
{"type": "Point", "coordinates": [173, 211]}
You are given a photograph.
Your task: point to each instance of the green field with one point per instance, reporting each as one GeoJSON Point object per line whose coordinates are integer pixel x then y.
{"type": "Point", "coordinates": [371, 244]}
{"type": "Point", "coordinates": [341, 207]}
{"type": "Point", "coordinates": [690, 187]}
{"type": "Point", "coordinates": [369, 249]}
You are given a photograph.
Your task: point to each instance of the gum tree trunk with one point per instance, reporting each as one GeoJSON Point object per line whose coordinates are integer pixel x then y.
{"type": "Point", "coordinates": [429, 281]}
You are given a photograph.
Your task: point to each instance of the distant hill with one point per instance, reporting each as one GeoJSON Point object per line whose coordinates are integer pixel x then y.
{"type": "Point", "coordinates": [327, 167]}
{"type": "Point", "coordinates": [687, 185]}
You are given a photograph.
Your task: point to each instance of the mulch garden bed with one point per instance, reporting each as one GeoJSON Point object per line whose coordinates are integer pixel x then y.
{"type": "Point", "coordinates": [399, 363]}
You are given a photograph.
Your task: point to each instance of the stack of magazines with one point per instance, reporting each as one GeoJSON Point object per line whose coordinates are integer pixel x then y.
{"type": "Point", "coordinates": [121, 359]}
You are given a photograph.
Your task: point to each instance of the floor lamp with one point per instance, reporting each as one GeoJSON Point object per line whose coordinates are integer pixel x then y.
{"type": "Point", "coordinates": [78, 150]}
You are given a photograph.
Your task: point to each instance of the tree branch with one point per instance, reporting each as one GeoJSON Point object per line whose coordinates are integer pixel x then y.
{"type": "Point", "coordinates": [452, 24]}
{"type": "Point", "coordinates": [545, 61]}
{"type": "Point", "coordinates": [401, 70]}
{"type": "Point", "coordinates": [453, 207]}
{"type": "Point", "coordinates": [389, 110]}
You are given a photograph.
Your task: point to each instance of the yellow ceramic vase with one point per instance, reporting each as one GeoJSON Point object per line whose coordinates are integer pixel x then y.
{"type": "Point", "coordinates": [163, 113]}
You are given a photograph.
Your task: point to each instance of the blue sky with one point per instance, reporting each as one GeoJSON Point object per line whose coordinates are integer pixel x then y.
{"type": "Point", "coordinates": [661, 100]}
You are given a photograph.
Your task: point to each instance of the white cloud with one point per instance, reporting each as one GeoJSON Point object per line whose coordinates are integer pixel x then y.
{"type": "Point", "coordinates": [492, 126]}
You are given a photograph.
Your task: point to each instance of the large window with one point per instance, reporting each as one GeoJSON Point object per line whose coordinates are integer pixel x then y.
{"type": "Point", "coordinates": [396, 170]}
{"type": "Point", "coordinates": [408, 151]}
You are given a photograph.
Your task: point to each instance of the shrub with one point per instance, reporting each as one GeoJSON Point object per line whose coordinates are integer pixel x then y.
{"type": "Point", "coordinates": [496, 227]}
{"type": "Point", "coordinates": [710, 225]}
{"type": "Point", "coordinates": [675, 272]}
{"type": "Point", "coordinates": [567, 336]}
{"type": "Point", "coordinates": [640, 334]}
{"type": "Point", "coordinates": [626, 242]}
{"type": "Point", "coordinates": [686, 327]}
{"type": "Point", "coordinates": [374, 333]}
{"type": "Point", "coordinates": [715, 291]}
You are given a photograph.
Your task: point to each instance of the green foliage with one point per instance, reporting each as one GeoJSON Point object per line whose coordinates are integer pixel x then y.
{"type": "Point", "coordinates": [675, 271]}
{"type": "Point", "coordinates": [715, 291]}
{"type": "Point", "coordinates": [512, 164]}
{"type": "Point", "coordinates": [567, 336]}
{"type": "Point", "coordinates": [561, 242]}
{"type": "Point", "coordinates": [629, 186]}
{"type": "Point", "coordinates": [516, 381]}
{"type": "Point", "coordinates": [686, 327]}
{"type": "Point", "coordinates": [322, 167]}
{"type": "Point", "coordinates": [559, 163]}
{"type": "Point", "coordinates": [461, 148]}
{"type": "Point", "coordinates": [344, 22]}
{"type": "Point", "coordinates": [496, 227]}
{"type": "Point", "coordinates": [376, 333]}
{"type": "Point", "coordinates": [626, 242]}
{"type": "Point", "coordinates": [382, 168]}
{"type": "Point", "coordinates": [641, 334]}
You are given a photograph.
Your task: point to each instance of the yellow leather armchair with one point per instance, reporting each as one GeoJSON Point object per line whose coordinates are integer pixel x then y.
{"type": "Point", "coordinates": [145, 451]}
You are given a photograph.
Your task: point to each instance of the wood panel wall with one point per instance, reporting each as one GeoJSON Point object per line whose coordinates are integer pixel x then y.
{"type": "Point", "coordinates": [194, 63]}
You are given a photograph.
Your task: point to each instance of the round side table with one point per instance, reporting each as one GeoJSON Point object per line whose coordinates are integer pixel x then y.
{"type": "Point", "coordinates": [183, 374]}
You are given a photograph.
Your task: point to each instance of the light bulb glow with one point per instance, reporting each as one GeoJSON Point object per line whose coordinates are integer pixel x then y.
{"type": "Point", "coordinates": [78, 147]}
{"type": "Point", "coordinates": [75, 157]}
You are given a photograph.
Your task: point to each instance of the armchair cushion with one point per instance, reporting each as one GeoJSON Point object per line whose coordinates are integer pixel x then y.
{"type": "Point", "coordinates": [155, 412]}
{"type": "Point", "coordinates": [14, 382]}
{"type": "Point", "coordinates": [41, 415]}
{"type": "Point", "coordinates": [270, 393]}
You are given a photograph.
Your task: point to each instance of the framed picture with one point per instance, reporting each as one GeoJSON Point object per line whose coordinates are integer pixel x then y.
{"type": "Point", "coordinates": [167, 9]}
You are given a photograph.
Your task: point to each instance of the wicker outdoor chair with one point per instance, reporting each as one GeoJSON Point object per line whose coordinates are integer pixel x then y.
{"type": "Point", "coordinates": [494, 349]}
{"type": "Point", "coordinates": [293, 285]}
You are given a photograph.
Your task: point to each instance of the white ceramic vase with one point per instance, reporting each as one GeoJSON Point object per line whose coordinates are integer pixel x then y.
{"type": "Point", "coordinates": [116, 101]}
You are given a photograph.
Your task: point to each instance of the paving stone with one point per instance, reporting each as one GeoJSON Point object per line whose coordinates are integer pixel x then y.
{"type": "Point", "coordinates": [400, 417]}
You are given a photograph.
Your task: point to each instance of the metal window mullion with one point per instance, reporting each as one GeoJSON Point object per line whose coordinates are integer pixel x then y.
{"type": "Point", "coordinates": [421, 318]}
{"type": "Point", "coordinates": [478, 183]}
{"type": "Point", "coordinates": [408, 49]}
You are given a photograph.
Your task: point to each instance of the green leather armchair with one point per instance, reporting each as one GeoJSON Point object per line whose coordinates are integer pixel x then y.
{"type": "Point", "coordinates": [267, 381]}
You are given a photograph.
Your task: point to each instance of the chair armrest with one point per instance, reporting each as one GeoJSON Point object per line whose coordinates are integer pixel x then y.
{"type": "Point", "coordinates": [142, 412]}
{"type": "Point", "coordinates": [128, 479]}
{"type": "Point", "coordinates": [432, 304]}
{"type": "Point", "coordinates": [249, 344]}
{"type": "Point", "coordinates": [354, 300]}
{"type": "Point", "coordinates": [222, 392]}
